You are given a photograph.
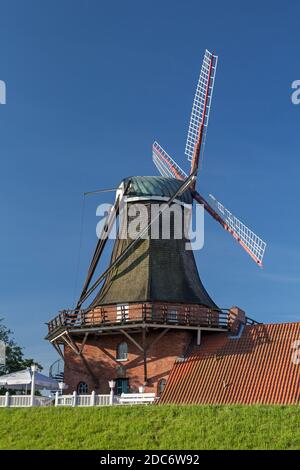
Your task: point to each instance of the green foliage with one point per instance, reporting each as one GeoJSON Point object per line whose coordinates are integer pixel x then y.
{"type": "Point", "coordinates": [14, 355]}
{"type": "Point", "coordinates": [152, 427]}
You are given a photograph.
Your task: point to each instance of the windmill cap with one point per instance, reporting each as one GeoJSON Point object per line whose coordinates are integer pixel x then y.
{"type": "Point", "coordinates": [155, 188]}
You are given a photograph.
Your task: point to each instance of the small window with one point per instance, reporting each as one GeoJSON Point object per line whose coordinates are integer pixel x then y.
{"type": "Point", "coordinates": [82, 388]}
{"type": "Point", "coordinates": [160, 386]}
{"type": "Point", "coordinates": [122, 351]}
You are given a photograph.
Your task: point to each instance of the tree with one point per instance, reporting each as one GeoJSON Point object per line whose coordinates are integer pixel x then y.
{"type": "Point", "coordinates": [14, 354]}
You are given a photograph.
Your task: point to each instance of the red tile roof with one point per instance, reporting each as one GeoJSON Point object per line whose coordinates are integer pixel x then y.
{"type": "Point", "coordinates": [258, 367]}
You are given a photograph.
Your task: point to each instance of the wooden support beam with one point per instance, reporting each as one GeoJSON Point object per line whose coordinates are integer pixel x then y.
{"type": "Point", "coordinates": [83, 343]}
{"type": "Point", "coordinates": [145, 356]}
{"type": "Point", "coordinates": [58, 350]}
{"type": "Point", "coordinates": [58, 336]}
{"type": "Point", "coordinates": [89, 370]}
{"type": "Point", "coordinates": [142, 348]}
{"type": "Point", "coordinates": [133, 340]}
{"type": "Point", "coordinates": [157, 338]}
{"type": "Point", "coordinates": [71, 343]}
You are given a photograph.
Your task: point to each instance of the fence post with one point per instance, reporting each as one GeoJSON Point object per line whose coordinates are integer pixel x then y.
{"type": "Point", "coordinates": [6, 399]}
{"type": "Point", "coordinates": [56, 399]}
{"type": "Point", "coordinates": [93, 398]}
{"type": "Point", "coordinates": [74, 398]}
{"type": "Point", "coordinates": [111, 396]}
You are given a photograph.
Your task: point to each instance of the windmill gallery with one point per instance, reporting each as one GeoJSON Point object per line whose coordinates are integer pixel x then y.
{"type": "Point", "coordinates": [148, 321]}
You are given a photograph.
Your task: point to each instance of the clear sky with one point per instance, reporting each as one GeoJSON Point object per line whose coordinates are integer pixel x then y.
{"type": "Point", "coordinates": [90, 85]}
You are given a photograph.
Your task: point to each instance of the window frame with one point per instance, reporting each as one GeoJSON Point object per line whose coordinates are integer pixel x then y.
{"type": "Point", "coordinates": [84, 384]}
{"type": "Point", "coordinates": [120, 358]}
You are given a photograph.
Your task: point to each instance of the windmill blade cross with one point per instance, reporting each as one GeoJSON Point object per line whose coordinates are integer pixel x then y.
{"type": "Point", "coordinates": [251, 243]}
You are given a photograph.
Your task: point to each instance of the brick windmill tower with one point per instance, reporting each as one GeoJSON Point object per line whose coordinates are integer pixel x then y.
{"type": "Point", "coordinates": [149, 306]}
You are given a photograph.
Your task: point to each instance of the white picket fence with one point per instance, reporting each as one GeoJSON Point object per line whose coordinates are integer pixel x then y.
{"type": "Point", "coordinates": [21, 401]}
{"type": "Point", "coordinates": [104, 400]}
{"type": "Point", "coordinates": [73, 400]}
{"type": "Point", "coordinates": [83, 400]}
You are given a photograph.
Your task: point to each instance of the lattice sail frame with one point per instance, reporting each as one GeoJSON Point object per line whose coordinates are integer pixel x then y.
{"type": "Point", "coordinates": [165, 164]}
{"type": "Point", "coordinates": [253, 244]}
{"type": "Point", "coordinates": [202, 102]}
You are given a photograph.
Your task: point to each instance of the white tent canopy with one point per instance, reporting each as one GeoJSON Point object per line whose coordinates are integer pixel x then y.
{"type": "Point", "coordinates": [22, 380]}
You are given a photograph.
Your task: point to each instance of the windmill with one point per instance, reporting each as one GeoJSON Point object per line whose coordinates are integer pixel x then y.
{"type": "Point", "coordinates": [169, 169]}
{"type": "Point", "coordinates": [152, 285]}
{"type": "Point", "coordinates": [194, 149]}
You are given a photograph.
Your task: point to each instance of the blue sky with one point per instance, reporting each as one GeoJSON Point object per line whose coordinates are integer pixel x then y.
{"type": "Point", "coordinates": [90, 85]}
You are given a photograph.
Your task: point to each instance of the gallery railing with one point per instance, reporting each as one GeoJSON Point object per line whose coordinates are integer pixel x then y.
{"type": "Point", "coordinates": [172, 314]}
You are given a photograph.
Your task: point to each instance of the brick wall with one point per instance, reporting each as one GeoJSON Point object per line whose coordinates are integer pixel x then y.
{"type": "Point", "coordinates": [99, 365]}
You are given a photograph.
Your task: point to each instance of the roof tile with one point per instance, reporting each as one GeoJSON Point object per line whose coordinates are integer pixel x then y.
{"type": "Point", "coordinates": [255, 368]}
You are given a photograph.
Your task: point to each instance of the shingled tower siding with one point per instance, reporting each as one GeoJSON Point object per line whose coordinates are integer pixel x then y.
{"type": "Point", "coordinates": [154, 271]}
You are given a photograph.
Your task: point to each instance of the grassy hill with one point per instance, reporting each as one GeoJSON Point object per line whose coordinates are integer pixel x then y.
{"type": "Point", "coordinates": [151, 427]}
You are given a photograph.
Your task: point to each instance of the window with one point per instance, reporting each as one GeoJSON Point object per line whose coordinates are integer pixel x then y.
{"type": "Point", "coordinates": [122, 386]}
{"type": "Point", "coordinates": [122, 351]}
{"type": "Point", "coordinates": [160, 386]}
{"type": "Point", "coordinates": [82, 388]}
{"type": "Point", "coordinates": [122, 312]}
{"type": "Point", "coordinates": [172, 316]}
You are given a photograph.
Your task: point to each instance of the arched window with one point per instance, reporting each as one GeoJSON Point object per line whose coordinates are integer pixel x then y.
{"type": "Point", "coordinates": [122, 351]}
{"type": "Point", "coordinates": [160, 386]}
{"type": "Point", "coordinates": [82, 388]}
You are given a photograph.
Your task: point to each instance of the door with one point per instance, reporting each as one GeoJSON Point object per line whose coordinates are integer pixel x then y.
{"type": "Point", "coordinates": [122, 386]}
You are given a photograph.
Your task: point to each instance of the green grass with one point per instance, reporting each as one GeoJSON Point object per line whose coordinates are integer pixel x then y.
{"type": "Point", "coordinates": [151, 427]}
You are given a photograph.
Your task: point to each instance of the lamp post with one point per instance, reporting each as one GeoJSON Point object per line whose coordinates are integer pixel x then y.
{"type": "Point", "coordinates": [33, 371]}
{"type": "Point", "coordinates": [62, 386]}
{"type": "Point", "coordinates": [112, 384]}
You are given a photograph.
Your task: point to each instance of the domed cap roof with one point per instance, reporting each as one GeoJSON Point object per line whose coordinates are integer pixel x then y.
{"type": "Point", "coordinates": [152, 187]}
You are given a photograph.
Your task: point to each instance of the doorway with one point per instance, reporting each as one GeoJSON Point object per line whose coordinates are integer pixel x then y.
{"type": "Point", "coordinates": [122, 386]}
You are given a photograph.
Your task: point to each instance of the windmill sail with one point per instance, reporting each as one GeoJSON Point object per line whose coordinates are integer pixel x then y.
{"type": "Point", "coordinates": [201, 108]}
{"type": "Point", "coordinates": [254, 245]}
{"type": "Point", "coordinates": [165, 164]}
